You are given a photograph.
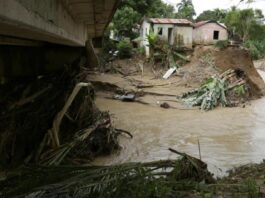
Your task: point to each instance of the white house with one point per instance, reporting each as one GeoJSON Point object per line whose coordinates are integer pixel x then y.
{"type": "Point", "coordinates": [209, 32]}
{"type": "Point", "coordinates": [175, 31]}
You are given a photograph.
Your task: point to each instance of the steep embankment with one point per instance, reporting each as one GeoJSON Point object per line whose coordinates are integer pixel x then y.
{"type": "Point", "coordinates": [207, 61]}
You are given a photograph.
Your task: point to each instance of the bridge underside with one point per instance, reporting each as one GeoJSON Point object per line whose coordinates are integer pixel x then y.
{"type": "Point", "coordinates": [67, 22]}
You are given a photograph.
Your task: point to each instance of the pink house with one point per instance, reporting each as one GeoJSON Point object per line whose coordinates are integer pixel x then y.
{"type": "Point", "coordinates": [209, 32]}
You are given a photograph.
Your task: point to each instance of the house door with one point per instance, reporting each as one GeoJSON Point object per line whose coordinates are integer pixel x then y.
{"type": "Point", "coordinates": [170, 35]}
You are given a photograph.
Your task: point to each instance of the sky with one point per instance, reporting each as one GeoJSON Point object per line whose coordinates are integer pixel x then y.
{"type": "Point", "coordinates": [201, 5]}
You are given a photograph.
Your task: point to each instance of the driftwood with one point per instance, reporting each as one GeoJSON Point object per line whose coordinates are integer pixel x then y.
{"type": "Point", "coordinates": [142, 86]}
{"type": "Point", "coordinates": [58, 119]}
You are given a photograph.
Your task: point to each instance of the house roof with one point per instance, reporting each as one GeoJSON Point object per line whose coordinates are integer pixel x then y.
{"type": "Point", "coordinates": [201, 23]}
{"type": "Point", "coordinates": [170, 21]}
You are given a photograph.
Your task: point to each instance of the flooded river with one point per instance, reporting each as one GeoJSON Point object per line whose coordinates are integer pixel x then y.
{"type": "Point", "coordinates": [228, 137]}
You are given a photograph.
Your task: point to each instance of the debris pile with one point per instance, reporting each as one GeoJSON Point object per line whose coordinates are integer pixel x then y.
{"type": "Point", "coordinates": [51, 120]}
{"type": "Point", "coordinates": [218, 90]}
{"type": "Point", "coordinates": [184, 177]}
{"type": "Point", "coordinates": [150, 179]}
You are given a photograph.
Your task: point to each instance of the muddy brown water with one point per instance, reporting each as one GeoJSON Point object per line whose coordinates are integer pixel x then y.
{"type": "Point", "coordinates": [228, 137]}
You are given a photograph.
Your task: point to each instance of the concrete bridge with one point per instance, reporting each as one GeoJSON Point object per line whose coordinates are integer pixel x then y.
{"type": "Point", "coordinates": [40, 36]}
{"type": "Point", "coordinates": [68, 22]}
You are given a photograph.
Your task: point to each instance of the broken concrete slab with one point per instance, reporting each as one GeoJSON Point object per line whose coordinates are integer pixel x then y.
{"type": "Point", "coordinates": [169, 72]}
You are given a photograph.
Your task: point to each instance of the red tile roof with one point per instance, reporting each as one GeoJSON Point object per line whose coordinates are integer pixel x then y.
{"type": "Point", "coordinates": [170, 21]}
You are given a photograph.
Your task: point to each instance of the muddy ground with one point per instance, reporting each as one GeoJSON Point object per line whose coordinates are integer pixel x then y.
{"type": "Point", "coordinates": [229, 137]}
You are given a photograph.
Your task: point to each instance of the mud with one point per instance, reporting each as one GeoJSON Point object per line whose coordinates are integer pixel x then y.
{"type": "Point", "coordinates": [228, 137]}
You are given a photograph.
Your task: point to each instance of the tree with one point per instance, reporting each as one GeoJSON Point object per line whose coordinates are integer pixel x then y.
{"type": "Point", "coordinates": [131, 12]}
{"type": "Point", "coordinates": [141, 6]}
{"type": "Point", "coordinates": [158, 9]}
{"type": "Point", "coordinates": [257, 32]}
{"type": "Point", "coordinates": [124, 20]}
{"type": "Point", "coordinates": [242, 22]}
{"type": "Point", "coordinates": [258, 14]}
{"type": "Point", "coordinates": [185, 10]}
{"type": "Point", "coordinates": [216, 15]}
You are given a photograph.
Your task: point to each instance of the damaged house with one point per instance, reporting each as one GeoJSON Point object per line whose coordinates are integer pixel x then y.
{"type": "Point", "coordinates": [174, 31]}
{"type": "Point", "coordinates": [209, 32]}
{"type": "Point", "coordinates": [182, 32]}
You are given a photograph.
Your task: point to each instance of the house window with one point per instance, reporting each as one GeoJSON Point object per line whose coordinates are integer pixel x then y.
{"type": "Point", "coordinates": [160, 31]}
{"type": "Point", "coordinates": [216, 35]}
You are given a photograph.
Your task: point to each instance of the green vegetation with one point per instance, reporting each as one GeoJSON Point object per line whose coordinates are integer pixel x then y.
{"type": "Point", "coordinates": [257, 48]}
{"type": "Point", "coordinates": [244, 24]}
{"type": "Point", "coordinates": [185, 10]}
{"type": "Point", "coordinates": [241, 22]}
{"type": "Point", "coordinates": [141, 50]}
{"type": "Point", "coordinates": [131, 12]}
{"type": "Point", "coordinates": [165, 178]}
{"type": "Point", "coordinates": [125, 48]}
{"type": "Point", "coordinates": [209, 95]}
{"type": "Point", "coordinates": [222, 44]}
{"type": "Point", "coordinates": [107, 43]}
{"type": "Point", "coordinates": [240, 90]}
{"type": "Point", "coordinates": [215, 91]}
{"type": "Point", "coordinates": [252, 188]}
{"type": "Point", "coordinates": [152, 39]}
{"type": "Point", "coordinates": [185, 177]}
{"type": "Point", "coordinates": [165, 54]}
{"type": "Point", "coordinates": [215, 15]}
{"type": "Point", "coordinates": [125, 20]}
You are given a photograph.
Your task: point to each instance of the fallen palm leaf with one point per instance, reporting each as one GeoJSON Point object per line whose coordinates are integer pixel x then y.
{"type": "Point", "coordinates": [109, 181]}
{"type": "Point", "coordinates": [213, 92]}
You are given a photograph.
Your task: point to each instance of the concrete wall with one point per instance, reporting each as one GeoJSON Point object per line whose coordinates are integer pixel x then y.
{"type": "Point", "coordinates": [165, 28]}
{"type": "Point", "coordinates": [145, 29]}
{"type": "Point", "coordinates": [180, 35]}
{"type": "Point", "coordinates": [183, 36]}
{"type": "Point", "coordinates": [204, 34]}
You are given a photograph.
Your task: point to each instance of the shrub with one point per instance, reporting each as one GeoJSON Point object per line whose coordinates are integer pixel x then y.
{"type": "Point", "coordinates": [256, 48]}
{"type": "Point", "coordinates": [141, 50]}
{"type": "Point", "coordinates": [125, 48]}
{"type": "Point", "coordinates": [222, 44]}
{"type": "Point", "coordinates": [108, 45]}
{"type": "Point", "coordinates": [152, 38]}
